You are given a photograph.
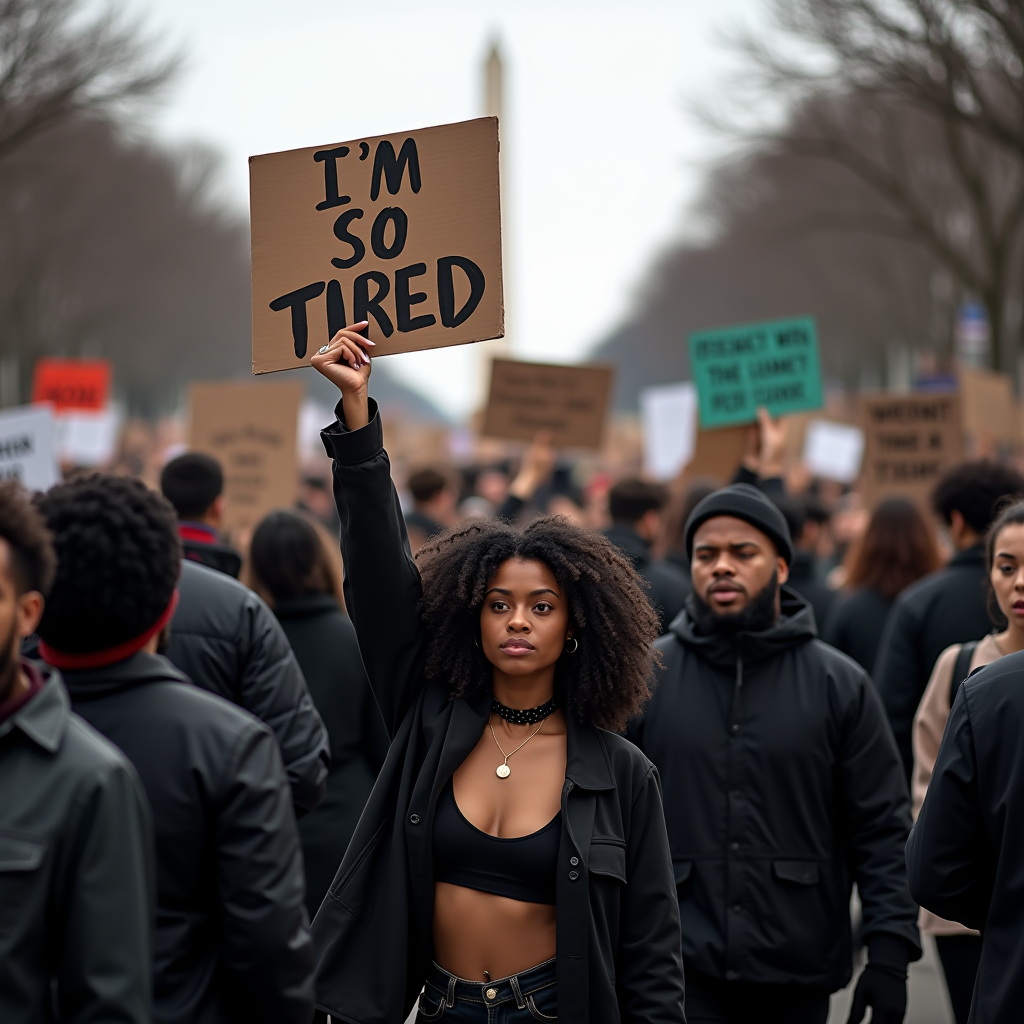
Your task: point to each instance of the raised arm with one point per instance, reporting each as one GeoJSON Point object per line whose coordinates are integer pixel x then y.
{"type": "Point", "coordinates": [382, 583]}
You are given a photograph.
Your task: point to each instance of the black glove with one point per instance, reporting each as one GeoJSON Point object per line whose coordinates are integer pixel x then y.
{"type": "Point", "coordinates": [885, 991]}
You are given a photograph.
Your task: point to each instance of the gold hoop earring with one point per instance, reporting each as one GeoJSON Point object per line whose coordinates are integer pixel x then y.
{"type": "Point", "coordinates": [575, 645]}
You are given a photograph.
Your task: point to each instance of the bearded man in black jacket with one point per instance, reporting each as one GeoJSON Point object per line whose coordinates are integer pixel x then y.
{"type": "Point", "coordinates": [782, 787]}
{"type": "Point", "coordinates": [232, 940]}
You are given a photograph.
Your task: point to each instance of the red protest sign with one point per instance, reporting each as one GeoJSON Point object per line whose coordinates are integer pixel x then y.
{"type": "Point", "coordinates": [72, 383]}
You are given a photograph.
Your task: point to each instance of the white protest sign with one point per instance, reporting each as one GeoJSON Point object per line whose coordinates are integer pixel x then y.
{"type": "Point", "coordinates": [833, 450]}
{"type": "Point", "coordinates": [669, 415]}
{"type": "Point", "coordinates": [86, 438]}
{"type": "Point", "coordinates": [27, 451]}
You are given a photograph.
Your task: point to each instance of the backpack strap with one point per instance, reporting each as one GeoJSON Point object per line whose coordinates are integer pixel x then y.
{"type": "Point", "coordinates": [961, 668]}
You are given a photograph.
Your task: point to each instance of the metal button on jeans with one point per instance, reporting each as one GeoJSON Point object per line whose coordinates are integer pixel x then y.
{"type": "Point", "coordinates": [491, 993]}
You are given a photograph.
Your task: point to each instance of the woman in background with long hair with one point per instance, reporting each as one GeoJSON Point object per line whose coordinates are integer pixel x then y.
{"type": "Point", "coordinates": [897, 549]}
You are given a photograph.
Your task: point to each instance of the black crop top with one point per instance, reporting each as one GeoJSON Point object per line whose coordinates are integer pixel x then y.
{"type": "Point", "coordinates": [522, 868]}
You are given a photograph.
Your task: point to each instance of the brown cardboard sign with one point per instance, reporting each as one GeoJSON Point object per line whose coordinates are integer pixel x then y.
{"type": "Point", "coordinates": [909, 442]}
{"type": "Point", "coordinates": [988, 406]}
{"type": "Point", "coordinates": [718, 453]}
{"type": "Point", "coordinates": [251, 429]}
{"type": "Point", "coordinates": [569, 401]}
{"type": "Point", "coordinates": [401, 230]}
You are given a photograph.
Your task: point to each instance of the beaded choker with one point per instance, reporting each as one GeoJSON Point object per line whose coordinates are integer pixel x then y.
{"type": "Point", "coordinates": [524, 716]}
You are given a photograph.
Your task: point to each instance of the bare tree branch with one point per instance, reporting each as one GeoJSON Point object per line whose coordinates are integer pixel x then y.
{"type": "Point", "coordinates": [56, 67]}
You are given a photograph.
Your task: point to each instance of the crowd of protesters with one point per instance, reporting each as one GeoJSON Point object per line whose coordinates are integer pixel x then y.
{"type": "Point", "coordinates": [520, 750]}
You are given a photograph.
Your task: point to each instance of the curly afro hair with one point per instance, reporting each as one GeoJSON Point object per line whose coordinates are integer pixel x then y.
{"type": "Point", "coordinates": [32, 559]}
{"type": "Point", "coordinates": [118, 561]}
{"type": "Point", "coordinates": [608, 680]}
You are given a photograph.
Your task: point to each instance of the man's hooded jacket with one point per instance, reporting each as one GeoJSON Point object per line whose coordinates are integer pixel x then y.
{"type": "Point", "coordinates": [782, 787]}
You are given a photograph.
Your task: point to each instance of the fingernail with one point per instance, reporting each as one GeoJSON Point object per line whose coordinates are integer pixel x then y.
{"type": "Point", "coordinates": [366, 358]}
{"type": "Point", "coordinates": [368, 342]}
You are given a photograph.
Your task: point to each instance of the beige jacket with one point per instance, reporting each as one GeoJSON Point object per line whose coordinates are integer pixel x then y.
{"type": "Point", "coordinates": [929, 725]}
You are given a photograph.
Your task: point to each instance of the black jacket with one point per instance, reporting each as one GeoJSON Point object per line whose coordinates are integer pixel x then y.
{"type": "Point", "coordinates": [803, 578]}
{"type": "Point", "coordinates": [325, 644]}
{"type": "Point", "coordinates": [946, 607]}
{"type": "Point", "coordinates": [965, 857]}
{"type": "Point", "coordinates": [668, 587]}
{"type": "Point", "coordinates": [855, 624]}
{"type": "Point", "coordinates": [231, 940]}
{"type": "Point", "coordinates": [226, 640]}
{"type": "Point", "coordinates": [201, 543]}
{"type": "Point", "coordinates": [618, 953]}
{"type": "Point", "coordinates": [782, 787]}
{"type": "Point", "coordinates": [76, 871]}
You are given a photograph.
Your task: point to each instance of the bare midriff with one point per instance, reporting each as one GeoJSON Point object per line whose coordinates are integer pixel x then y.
{"type": "Point", "coordinates": [478, 934]}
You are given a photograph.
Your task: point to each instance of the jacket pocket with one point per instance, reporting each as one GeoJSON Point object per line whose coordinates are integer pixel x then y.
{"type": "Point", "coordinates": [802, 872]}
{"type": "Point", "coordinates": [683, 869]}
{"type": "Point", "coordinates": [20, 853]}
{"type": "Point", "coordinates": [350, 889]}
{"type": "Point", "coordinates": [608, 858]}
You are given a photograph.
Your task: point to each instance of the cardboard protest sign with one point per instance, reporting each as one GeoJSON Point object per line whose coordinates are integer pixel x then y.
{"type": "Point", "coordinates": [251, 429]}
{"type": "Point", "coordinates": [569, 401]}
{"type": "Point", "coordinates": [738, 369]}
{"type": "Point", "coordinates": [72, 383]}
{"type": "Point", "coordinates": [87, 438]}
{"type": "Point", "coordinates": [401, 230]}
{"type": "Point", "coordinates": [718, 453]}
{"type": "Point", "coordinates": [27, 450]}
{"type": "Point", "coordinates": [909, 442]}
{"type": "Point", "coordinates": [669, 415]}
{"type": "Point", "coordinates": [987, 405]}
{"type": "Point", "coordinates": [833, 450]}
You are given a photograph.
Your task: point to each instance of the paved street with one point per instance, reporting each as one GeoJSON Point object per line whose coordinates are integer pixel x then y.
{"type": "Point", "coordinates": [928, 1001]}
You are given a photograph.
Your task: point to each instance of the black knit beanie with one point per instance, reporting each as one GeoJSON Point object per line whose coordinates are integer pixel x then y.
{"type": "Point", "coordinates": [746, 503]}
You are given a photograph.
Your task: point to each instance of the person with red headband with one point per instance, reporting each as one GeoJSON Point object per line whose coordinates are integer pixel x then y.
{"type": "Point", "coordinates": [76, 857]}
{"type": "Point", "coordinates": [231, 940]}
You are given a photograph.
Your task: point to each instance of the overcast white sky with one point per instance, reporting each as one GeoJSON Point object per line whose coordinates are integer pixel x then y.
{"type": "Point", "coordinates": [603, 83]}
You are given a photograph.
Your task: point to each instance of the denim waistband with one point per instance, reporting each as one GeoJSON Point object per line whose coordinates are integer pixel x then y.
{"type": "Point", "coordinates": [513, 989]}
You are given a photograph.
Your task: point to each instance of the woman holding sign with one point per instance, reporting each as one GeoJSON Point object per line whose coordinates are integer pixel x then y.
{"type": "Point", "coordinates": [512, 862]}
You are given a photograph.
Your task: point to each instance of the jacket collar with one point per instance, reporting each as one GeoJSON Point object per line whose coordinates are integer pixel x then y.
{"type": "Point", "coordinates": [306, 605]}
{"type": "Point", "coordinates": [794, 626]}
{"type": "Point", "coordinates": [44, 718]}
{"type": "Point", "coordinates": [587, 763]}
{"type": "Point", "coordinates": [138, 670]}
{"type": "Point", "coordinates": [972, 556]}
{"type": "Point", "coordinates": [198, 533]}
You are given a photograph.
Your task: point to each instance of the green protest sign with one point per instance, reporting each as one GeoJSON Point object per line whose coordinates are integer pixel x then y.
{"type": "Point", "coordinates": [738, 369]}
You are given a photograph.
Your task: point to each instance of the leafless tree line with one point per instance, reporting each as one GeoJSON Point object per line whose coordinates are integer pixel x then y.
{"type": "Point", "coordinates": [879, 183]}
{"type": "Point", "coordinates": [108, 246]}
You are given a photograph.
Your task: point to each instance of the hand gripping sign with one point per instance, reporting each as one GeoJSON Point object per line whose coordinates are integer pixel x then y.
{"type": "Point", "coordinates": [401, 230]}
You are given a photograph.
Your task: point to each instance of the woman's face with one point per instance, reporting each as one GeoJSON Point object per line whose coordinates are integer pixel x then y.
{"type": "Point", "coordinates": [524, 622]}
{"type": "Point", "coordinates": [1007, 573]}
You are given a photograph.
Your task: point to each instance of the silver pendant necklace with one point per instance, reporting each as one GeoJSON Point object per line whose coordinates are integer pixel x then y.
{"type": "Point", "coordinates": [503, 771]}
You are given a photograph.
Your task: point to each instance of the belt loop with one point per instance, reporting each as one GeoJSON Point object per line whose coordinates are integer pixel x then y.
{"type": "Point", "coordinates": [517, 992]}
{"type": "Point", "coordinates": [450, 999]}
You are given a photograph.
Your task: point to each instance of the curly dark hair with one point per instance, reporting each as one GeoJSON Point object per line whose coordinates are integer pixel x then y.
{"type": "Point", "coordinates": [118, 560]}
{"type": "Point", "coordinates": [31, 546]}
{"type": "Point", "coordinates": [609, 679]}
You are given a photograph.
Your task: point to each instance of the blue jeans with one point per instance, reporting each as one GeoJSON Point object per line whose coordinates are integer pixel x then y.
{"type": "Point", "coordinates": [520, 999]}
